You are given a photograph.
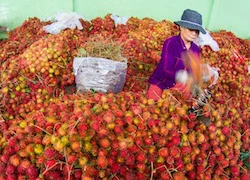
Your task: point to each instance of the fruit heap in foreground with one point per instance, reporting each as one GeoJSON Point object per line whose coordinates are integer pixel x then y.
{"type": "Point", "coordinates": [49, 132]}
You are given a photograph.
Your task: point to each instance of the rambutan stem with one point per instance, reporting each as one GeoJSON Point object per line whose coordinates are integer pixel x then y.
{"type": "Point", "coordinates": [141, 117]}
{"type": "Point", "coordinates": [207, 168]}
{"type": "Point", "coordinates": [1, 118]}
{"type": "Point", "coordinates": [140, 148]}
{"type": "Point", "coordinates": [174, 98]}
{"type": "Point", "coordinates": [40, 79]}
{"type": "Point", "coordinates": [70, 171]}
{"type": "Point", "coordinates": [54, 128]}
{"type": "Point", "coordinates": [242, 167]}
{"type": "Point", "coordinates": [41, 129]}
{"type": "Point", "coordinates": [152, 171]}
{"type": "Point", "coordinates": [28, 79]}
{"type": "Point", "coordinates": [244, 132]}
{"type": "Point", "coordinates": [75, 124]}
{"type": "Point", "coordinates": [47, 169]}
{"type": "Point", "coordinates": [166, 170]}
{"type": "Point", "coordinates": [156, 94]}
{"type": "Point", "coordinates": [208, 155]}
{"type": "Point", "coordinates": [114, 176]}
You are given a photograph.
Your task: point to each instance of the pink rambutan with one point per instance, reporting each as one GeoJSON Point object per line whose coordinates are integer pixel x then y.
{"type": "Point", "coordinates": [174, 151]}
{"type": "Point", "coordinates": [163, 152]}
{"type": "Point", "coordinates": [32, 172]}
{"type": "Point", "coordinates": [10, 169]}
{"type": "Point", "coordinates": [115, 168]}
{"type": "Point", "coordinates": [185, 150]}
{"type": "Point", "coordinates": [226, 130]}
{"type": "Point", "coordinates": [148, 141]}
{"type": "Point", "coordinates": [95, 125]}
{"type": "Point", "coordinates": [11, 177]}
{"type": "Point", "coordinates": [50, 153]}
{"type": "Point", "coordinates": [53, 175]}
{"type": "Point", "coordinates": [176, 140]}
{"type": "Point", "coordinates": [130, 160]}
{"type": "Point", "coordinates": [23, 166]}
{"type": "Point", "coordinates": [140, 157]}
{"type": "Point", "coordinates": [170, 160]}
{"type": "Point", "coordinates": [102, 162]}
{"type": "Point", "coordinates": [2, 168]}
{"type": "Point", "coordinates": [5, 158]}
{"type": "Point", "coordinates": [179, 164]}
{"type": "Point", "coordinates": [235, 170]}
{"type": "Point", "coordinates": [118, 130]}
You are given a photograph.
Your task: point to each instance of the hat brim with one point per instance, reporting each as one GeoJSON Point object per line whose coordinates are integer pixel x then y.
{"type": "Point", "coordinates": [190, 26]}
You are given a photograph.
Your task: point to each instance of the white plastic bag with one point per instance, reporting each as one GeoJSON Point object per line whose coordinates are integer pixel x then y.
{"type": "Point", "coordinates": [249, 69]}
{"type": "Point", "coordinates": [99, 74]}
{"type": "Point", "coordinates": [119, 20]}
{"type": "Point", "coordinates": [64, 21]}
{"type": "Point", "coordinates": [182, 76]}
{"type": "Point", "coordinates": [209, 72]}
{"type": "Point", "coordinates": [206, 39]}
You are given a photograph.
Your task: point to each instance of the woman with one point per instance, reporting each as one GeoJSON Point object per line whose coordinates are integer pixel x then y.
{"type": "Point", "coordinates": [171, 62]}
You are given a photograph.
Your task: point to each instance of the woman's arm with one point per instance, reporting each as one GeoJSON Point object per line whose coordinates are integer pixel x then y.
{"type": "Point", "coordinates": [168, 60]}
{"type": "Point", "coordinates": [164, 74]}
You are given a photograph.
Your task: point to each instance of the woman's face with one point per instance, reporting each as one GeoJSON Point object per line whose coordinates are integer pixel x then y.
{"type": "Point", "coordinates": [188, 35]}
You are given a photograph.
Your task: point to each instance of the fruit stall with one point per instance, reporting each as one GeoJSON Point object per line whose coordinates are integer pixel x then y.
{"type": "Point", "coordinates": [50, 130]}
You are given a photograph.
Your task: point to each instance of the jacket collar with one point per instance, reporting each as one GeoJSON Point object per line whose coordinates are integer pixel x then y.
{"type": "Point", "coordinates": [183, 44]}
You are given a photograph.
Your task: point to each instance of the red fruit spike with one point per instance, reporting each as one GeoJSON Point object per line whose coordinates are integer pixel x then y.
{"type": "Point", "coordinates": [212, 127]}
{"type": "Point", "coordinates": [11, 177]}
{"type": "Point", "coordinates": [148, 141]}
{"type": "Point", "coordinates": [174, 151]}
{"type": "Point", "coordinates": [104, 143]}
{"type": "Point", "coordinates": [50, 163]}
{"type": "Point", "coordinates": [170, 160]}
{"type": "Point", "coordinates": [192, 174]}
{"type": "Point", "coordinates": [185, 149]}
{"type": "Point", "coordinates": [23, 166]}
{"type": "Point", "coordinates": [102, 162]}
{"type": "Point", "coordinates": [82, 127]}
{"type": "Point", "coordinates": [130, 160]}
{"type": "Point", "coordinates": [50, 153]}
{"type": "Point", "coordinates": [10, 169]}
{"type": "Point", "coordinates": [176, 140]}
{"type": "Point", "coordinates": [235, 170]}
{"type": "Point", "coordinates": [163, 152]}
{"type": "Point", "coordinates": [115, 168]}
{"type": "Point", "coordinates": [95, 125]}
{"type": "Point", "coordinates": [136, 109]}
{"type": "Point", "coordinates": [5, 158]}
{"type": "Point", "coordinates": [140, 157]}
{"type": "Point", "coordinates": [118, 129]}
{"type": "Point", "coordinates": [226, 130]}
{"type": "Point", "coordinates": [32, 172]}
{"type": "Point", "coordinates": [2, 168]}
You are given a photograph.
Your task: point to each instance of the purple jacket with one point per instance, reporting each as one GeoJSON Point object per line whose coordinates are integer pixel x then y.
{"type": "Point", "coordinates": [171, 62]}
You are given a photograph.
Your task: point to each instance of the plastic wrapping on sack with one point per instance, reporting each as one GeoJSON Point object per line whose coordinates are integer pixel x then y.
{"type": "Point", "coordinates": [64, 21]}
{"type": "Point", "coordinates": [206, 39]}
{"type": "Point", "coordinates": [99, 74]}
{"type": "Point", "coordinates": [249, 69]}
{"type": "Point", "coordinates": [119, 20]}
{"type": "Point", "coordinates": [209, 72]}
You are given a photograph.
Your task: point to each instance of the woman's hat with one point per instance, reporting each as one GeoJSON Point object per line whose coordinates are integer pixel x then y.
{"type": "Point", "coordinates": [192, 20]}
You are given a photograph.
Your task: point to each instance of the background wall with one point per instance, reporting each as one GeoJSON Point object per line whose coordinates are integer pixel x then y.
{"type": "Point", "coordinates": [230, 15]}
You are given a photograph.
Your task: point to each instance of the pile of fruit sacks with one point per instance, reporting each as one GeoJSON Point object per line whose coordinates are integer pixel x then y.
{"type": "Point", "coordinates": [51, 131]}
